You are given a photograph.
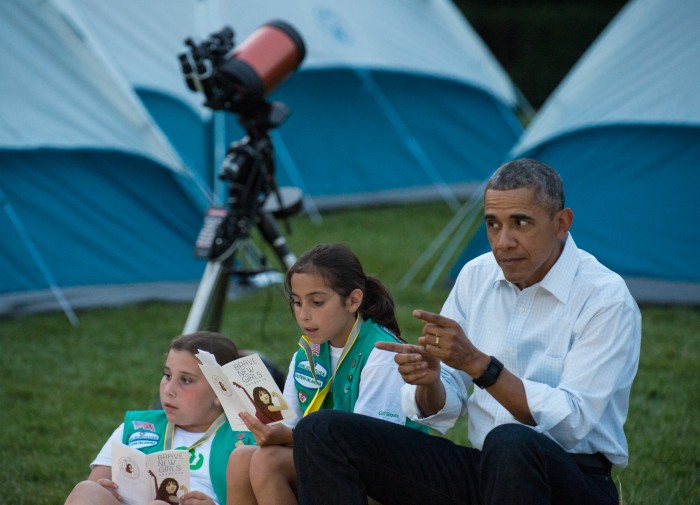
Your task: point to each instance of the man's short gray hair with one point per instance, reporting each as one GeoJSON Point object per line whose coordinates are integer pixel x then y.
{"type": "Point", "coordinates": [529, 173]}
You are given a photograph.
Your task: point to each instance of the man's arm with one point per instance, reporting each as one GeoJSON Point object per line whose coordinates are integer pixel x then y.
{"type": "Point", "coordinates": [420, 366]}
{"type": "Point", "coordinates": [444, 339]}
{"type": "Point", "coordinates": [598, 369]}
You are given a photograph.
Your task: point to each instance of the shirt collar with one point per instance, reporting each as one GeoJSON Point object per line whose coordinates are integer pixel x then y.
{"type": "Point", "coordinates": [560, 277]}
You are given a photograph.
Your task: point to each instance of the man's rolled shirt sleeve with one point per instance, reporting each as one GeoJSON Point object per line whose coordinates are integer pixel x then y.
{"type": "Point", "coordinates": [456, 385]}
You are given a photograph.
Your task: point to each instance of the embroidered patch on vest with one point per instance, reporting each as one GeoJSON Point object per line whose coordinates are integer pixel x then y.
{"type": "Point", "coordinates": [304, 377]}
{"type": "Point", "coordinates": [143, 425]}
{"type": "Point", "coordinates": [140, 439]}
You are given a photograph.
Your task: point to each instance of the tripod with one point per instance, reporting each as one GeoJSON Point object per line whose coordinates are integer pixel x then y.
{"type": "Point", "coordinates": [253, 201]}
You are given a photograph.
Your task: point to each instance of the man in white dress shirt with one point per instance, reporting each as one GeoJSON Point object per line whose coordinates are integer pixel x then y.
{"type": "Point", "coordinates": [549, 337]}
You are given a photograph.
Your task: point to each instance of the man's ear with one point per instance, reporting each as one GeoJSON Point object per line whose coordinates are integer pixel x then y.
{"type": "Point", "coordinates": [564, 218]}
{"type": "Point", "coordinates": [354, 300]}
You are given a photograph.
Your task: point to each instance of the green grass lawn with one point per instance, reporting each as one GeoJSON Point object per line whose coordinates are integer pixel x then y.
{"type": "Point", "coordinates": [65, 389]}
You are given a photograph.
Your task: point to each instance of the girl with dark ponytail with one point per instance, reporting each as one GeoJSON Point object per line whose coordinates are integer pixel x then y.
{"type": "Point", "coordinates": [342, 313]}
{"type": "Point", "coordinates": [342, 272]}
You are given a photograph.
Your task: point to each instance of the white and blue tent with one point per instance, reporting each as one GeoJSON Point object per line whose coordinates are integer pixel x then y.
{"type": "Point", "coordinates": [623, 129]}
{"type": "Point", "coordinates": [109, 161]}
{"type": "Point", "coordinates": [91, 192]}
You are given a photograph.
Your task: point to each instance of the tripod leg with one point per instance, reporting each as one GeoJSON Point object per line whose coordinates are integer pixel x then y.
{"type": "Point", "coordinates": [213, 323]}
{"type": "Point", "coordinates": [207, 307]}
{"type": "Point", "coordinates": [271, 233]}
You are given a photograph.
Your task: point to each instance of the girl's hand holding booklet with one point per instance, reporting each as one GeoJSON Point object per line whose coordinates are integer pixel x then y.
{"type": "Point", "coordinates": [245, 385]}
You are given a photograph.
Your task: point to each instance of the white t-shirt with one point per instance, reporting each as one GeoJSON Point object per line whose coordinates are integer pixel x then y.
{"type": "Point", "coordinates": [199, 464]}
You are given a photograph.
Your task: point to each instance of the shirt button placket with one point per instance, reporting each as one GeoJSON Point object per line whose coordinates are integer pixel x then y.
{"type": "Point", "coordinates": [515, 328]}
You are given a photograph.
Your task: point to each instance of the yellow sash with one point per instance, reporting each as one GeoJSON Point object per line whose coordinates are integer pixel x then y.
{"type": "Point", "coordinates": [305, 344]}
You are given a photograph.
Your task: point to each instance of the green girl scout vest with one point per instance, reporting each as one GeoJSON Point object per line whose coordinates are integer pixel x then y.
{"type": "Point", "coordinates": [149, 431]}
{"type": "Point", "coordinates": [319, 388]}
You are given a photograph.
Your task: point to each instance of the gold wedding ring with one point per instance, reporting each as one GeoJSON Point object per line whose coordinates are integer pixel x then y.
{"type": "Point", "coordinates": [437, 341]}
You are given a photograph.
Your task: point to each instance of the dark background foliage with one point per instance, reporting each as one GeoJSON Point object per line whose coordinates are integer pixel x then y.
{"type": "Point", "coordinates": [538, 41]}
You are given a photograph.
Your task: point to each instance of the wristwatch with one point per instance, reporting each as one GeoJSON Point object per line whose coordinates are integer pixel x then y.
{"type": "Point", "coordinates": [489, 377]}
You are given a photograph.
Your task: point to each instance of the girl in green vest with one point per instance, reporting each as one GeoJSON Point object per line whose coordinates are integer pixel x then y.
{"type": "Point", "coordinates": [341, 312]}
{"type": "Point", "coordinates": [191, 418]}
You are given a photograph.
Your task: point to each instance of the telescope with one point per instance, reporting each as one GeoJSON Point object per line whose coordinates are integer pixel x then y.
{"type": "Point", "coordinates": [238, 78]}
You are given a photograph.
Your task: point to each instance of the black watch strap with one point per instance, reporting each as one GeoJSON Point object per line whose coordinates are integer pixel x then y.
{"type": "Point", "coordinates": [489, 377]}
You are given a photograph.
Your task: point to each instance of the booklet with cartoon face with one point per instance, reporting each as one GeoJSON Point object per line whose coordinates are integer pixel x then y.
{"type": "Point", "coordinates": [162, 475]}
{"type": "Point", "coordinates": [245, 385]}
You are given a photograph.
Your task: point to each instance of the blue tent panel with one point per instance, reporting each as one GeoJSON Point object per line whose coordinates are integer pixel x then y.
{"type": "Point", "coordinates": [189, 135]}
{"type": "Point", "coordinates": [443, 131]}
{"type": "Point", "coordinates": [352, 133]}
{"type": "Point", "coordinates": [18, 265]}
{"type": "Point", "coordinates": [121, 219]}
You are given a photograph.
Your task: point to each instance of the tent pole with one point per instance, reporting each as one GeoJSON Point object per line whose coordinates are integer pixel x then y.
{"type": "Point", "coordinates": [39, 261]}
{"type": "Point", "coordinates": [295, 176]}
{"type": "Point", "coordinates": [467, 224]}
{"type": "Point", "coordinates": [409, 139]}
{"type": "Point", "coordinates": [460, 216]}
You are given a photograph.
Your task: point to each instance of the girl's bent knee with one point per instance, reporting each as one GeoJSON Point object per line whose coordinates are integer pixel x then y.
{"type": "Point", "coordinates": [242, 453]}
